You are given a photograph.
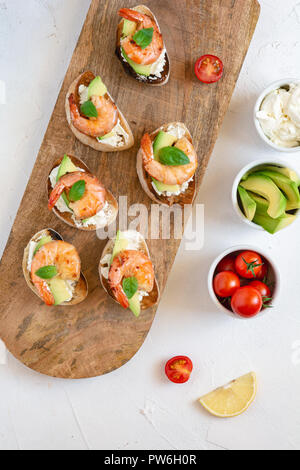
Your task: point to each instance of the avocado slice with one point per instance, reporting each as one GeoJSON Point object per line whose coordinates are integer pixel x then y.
{"type": "Point", "coordinates": [135, 304]}
{"type": "Point", "coordinates": [129, 28]}
{"type": "Point", "coordinates": [138, 68]}
{"type": "Point", "coordinates": [273, 225]}
{"type": "Point", "coordinates": [121, 244]}
{"type": "Point", "coordinates": [66, 166]}
{"type": "Point", "coordinates": [106, 136]}
{"type": "Point", "coordinates": [264, 186]}
{"type": "Point", "coordinates": [43, 241]}
{"type": "Point", "coordinates": [59, 290]}
{"type": "Point", "coordinates": [265, 221]}
{"type": "Point", "coordinates": [291, 174]}
{"type": "Point", "coordinates": [289, 188]}
{"type": "Point", "coordinates": [161, 187]}
{"type": "Point", "coordinates": [97, 88]}
{"type": "Point", "coordinates": [248, 205]}
{"type": "Point", "coordinates": [262, 204]}
{"type": "Point", "coordinates": [163, 139]}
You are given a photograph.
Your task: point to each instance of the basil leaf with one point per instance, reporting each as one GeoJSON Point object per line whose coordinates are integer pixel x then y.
{"type": "Point", "coordinates": [172, 156]}
{"type": "Point", "coordinates": [47, 272]}
{"type": "Point", "coordinates": [89, 109]}
{"type": "Point", "coordinates": [130, 286]}
{"type": "Point", "coordinates": [77, 191]}
{"type": "Point", "coordinates": [144, 37]}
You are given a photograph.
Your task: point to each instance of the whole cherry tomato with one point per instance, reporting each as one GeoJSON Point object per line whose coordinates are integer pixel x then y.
{"type": "Point", "coordinates": [246, 302]}
{"type": "Point", "coordinates": [227, 264]}
{"type": "Point", "coordinates": [209, 68]}
{"type": "Point", "coordinates": [226, 283]}
{"type": "Point", "coordinates": [249, 264]}
{"type": "Point", "coordinates": [179, 369]}
{"type": "Point", "coordinates": [262, 288]}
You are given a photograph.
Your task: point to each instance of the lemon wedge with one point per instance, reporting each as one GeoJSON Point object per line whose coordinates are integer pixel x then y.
{"type": "Point", "coordinates": [232, 399]}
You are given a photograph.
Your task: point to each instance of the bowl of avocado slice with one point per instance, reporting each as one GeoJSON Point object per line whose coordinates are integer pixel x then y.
{"type": "Point", "coordinates": [266, 195]}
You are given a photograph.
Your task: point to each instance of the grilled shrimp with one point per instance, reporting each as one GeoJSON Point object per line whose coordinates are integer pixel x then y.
{"type": "Point", "coordinates": [151, 53]}
{"type": "Point", "coordinates": [130, 263]}
{"type": "Point", "coordinates": [64, 257]}
{"type": "Point", "coordinates": [107, 119]}
{"type": "Point", "coordinates": [171, 175]}
{"type": "Point", "coordinates": [91, 202]}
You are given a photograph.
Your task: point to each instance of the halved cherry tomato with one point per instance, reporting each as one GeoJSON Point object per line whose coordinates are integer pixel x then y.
{"type": "Point", "coordinates": [178, 369]}
{"type": "Point", "coordinates": [209, 68]}
{"type": "Point", "coordinates": [226, 283]}
{"type": "Point", "coordinates": [227, 264]}
{"type": "Point", "coordinates": [246, 302]}
{"type": "Point", "coordinates": [249, 265]}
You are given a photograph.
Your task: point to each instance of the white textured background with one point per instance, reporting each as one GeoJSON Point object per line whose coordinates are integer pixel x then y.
{"type": "Point", "coordinates": [136, 407]}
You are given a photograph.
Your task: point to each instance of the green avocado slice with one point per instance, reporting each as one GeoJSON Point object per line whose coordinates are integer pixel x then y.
{"type": "Point", "coordinates": [43, 241]}
{"type": "Point", "coordinates": [288, 186]}
{"type": "Point", "coordinates": [121, 244]}
{"type": "Point", "coordinates": [138, 68]}
{"type": "Point", "coordinates": [248, 204]}
{"type": "Point", "coordinates": [59, 290]}
{"type": "Point", "coordinates": [264, 186]}
{"type": "Point", "coordinates": [135, 304]}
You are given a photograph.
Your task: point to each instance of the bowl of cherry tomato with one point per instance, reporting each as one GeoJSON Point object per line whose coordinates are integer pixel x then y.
{"type": "Point", "coordinates": [244, 282]}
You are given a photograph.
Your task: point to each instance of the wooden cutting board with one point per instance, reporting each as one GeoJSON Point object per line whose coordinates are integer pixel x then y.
{"type": "Point", "coordinates": [98, 336]}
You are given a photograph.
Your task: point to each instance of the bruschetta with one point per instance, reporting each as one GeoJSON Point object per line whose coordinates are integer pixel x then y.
{"type": "Point", "coordinates": [90, 207]}
{"type": "Point", "coordinates": [141, 48]}
{"type": "Point", "coordinates": [167, 164]}
{"type": "Point", "coordinates": [52, 270]}
{"type": "Point", "coordinates": [93, 116]}
{"type": "Point", "coordinates": [127, 273]}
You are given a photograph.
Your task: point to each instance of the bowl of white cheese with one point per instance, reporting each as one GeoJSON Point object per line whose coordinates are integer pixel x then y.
{"type": "Point", "coordinates": [277, 115]}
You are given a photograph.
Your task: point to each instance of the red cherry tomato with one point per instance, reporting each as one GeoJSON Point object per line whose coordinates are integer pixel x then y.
{"type": "Point", "coordinates": [262, 288]}
{"type": "Point", "coordinates": [226, 283]}
{"type": "Point", "coordinates": [227, 264]}
{"type": "Point", "coordinates": [178, 369]}
{"type": "Point", "coordinates": [249, 265]}
{"type": "Point", "coordinates": [246, 302]}
{"type": "Point", "coordinates": [209, 69]}
{"type": "Point", "coordinates": [264, 272]}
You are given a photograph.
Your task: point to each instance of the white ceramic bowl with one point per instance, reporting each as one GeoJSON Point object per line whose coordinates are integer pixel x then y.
{"type": "Point", "coordinates": [253, 166]}
{"type": "Point", "coordinates": [273, 276]}
{"type": "Point", "coordinates": [267, 91]}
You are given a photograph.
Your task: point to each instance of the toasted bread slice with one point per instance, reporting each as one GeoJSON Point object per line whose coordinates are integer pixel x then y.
{"type": "Point", "coordinates": [67, 216]}
{"type": "Point", "coordinates": [146, 180]}
{"type": "Point", "coordinates": [85, 79]}
{"type": "Point", "coordinates": [148, 301]}
{"type": "Point", "coordinates": [152, 79]}
{"type": "Point", "coordinates": [81, 289]}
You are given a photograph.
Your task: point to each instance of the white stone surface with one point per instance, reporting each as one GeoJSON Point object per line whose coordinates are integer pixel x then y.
{"type": "Point", "coordinates": [136, 407]}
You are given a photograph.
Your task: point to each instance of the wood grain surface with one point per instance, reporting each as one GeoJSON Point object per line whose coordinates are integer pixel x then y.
{"type": "Point", "coordinates": [98, 336]}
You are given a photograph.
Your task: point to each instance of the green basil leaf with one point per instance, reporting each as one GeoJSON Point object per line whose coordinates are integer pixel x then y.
{"type": "Point", "coordinates": [77, 191]}
{"type": "Point", "coordinates": [47, 272]}
{"type": "Point", "coordinates": [89, 109]}
{"type": "Point", "coordinates": [172, 156]}
{"type": "Point", "coordinates": [130, 286]}
{"type": "Point", "coordinates": [144, 37]}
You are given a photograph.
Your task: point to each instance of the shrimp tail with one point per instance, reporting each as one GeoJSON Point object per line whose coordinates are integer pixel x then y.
{"type": "Point", "coordinates": [55, 195]}
{"type": "Point", "coordinates": [73, 107]}
{"type": "Point", "coordinates": [146, 145]}
{"type": "Point", "coordinates": [120, 296]}
{"type": "Point", "coordinates": [131, 15]}
{"type": "Point", "coordinates": [45, 294]}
